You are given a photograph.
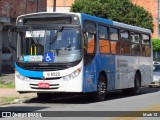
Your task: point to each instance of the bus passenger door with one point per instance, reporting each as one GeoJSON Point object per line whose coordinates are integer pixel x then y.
{"type": "Point", "coordinates": [90, 63]}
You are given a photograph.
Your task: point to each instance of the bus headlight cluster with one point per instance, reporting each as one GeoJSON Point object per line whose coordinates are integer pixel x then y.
{"type": "Point", "coordinates": [72, 75]}
{"type": "Point", "coordinates": [18, 75]}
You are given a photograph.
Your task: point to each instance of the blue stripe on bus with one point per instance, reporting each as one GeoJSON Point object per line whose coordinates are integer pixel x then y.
{"type": "Point", "coordinates": [28, 73]}
{"type": "Point", "coordinates": [95, 19]}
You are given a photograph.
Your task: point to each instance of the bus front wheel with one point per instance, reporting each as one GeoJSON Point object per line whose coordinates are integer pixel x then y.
{"type": "Point", "coordinates": [100, 94]}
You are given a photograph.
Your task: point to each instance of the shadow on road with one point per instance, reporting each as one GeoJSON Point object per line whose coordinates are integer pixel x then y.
{"type": "Point", "coordinates": [84, 99]}
{"type": "Point", "coordinates": [150, 90]}
{"type": "Point", "coordinates": [21, 108]}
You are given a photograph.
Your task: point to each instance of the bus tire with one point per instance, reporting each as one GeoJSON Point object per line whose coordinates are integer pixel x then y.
{"type": "Point", "coordinates": [100, 94]}
{"type": "Point", "coordinates": [44, 96]}
{"type": "Point", "coordinates": [136, 89]}
{"type": "Point", "coordinates": [137, 85]}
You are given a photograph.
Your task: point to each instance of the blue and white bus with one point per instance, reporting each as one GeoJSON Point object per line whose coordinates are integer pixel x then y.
{"type": "Point", "coordinates": [80, 53]}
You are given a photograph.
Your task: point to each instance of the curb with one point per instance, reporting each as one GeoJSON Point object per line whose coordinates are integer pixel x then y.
{"type": "Point", "coordinates": [16, 101]}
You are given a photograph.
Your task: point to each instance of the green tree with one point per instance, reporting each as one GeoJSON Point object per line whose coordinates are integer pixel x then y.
{"type": "Point", "coordinates": [117, 10]}
{"type": "Point", "coordinates": [156, 45]}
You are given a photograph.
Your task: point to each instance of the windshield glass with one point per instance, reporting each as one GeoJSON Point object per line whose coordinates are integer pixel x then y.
{"type": "Point", "coordinates": [45, 46]}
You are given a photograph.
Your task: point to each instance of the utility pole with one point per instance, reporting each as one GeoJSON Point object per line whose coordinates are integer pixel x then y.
{"type": "Point", "coordinates": [37, 5]}
{"type": "Point", "coordinates": [54, 6]}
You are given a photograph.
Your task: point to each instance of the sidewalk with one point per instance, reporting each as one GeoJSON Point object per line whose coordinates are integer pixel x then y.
{"type": "Point", "coordinates": [11, 92]}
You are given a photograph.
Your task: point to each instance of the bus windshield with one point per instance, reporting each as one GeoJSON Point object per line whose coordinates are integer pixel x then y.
{"type": "Point", "coordinates": [49, 45]}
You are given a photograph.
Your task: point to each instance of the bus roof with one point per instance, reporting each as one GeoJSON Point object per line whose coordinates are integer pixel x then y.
{"type": "Point", "coordinates": [114, 23]}
{"type": "Point", "coordinates": [96, 19]}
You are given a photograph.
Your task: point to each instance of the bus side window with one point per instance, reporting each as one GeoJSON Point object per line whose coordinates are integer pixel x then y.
{"type": "Point", "coordinates": [91, 44]}
{"type": "Point", "coordinates": [125, 43]}
{"type": "Point", "coordinates": [135, 44]}
{"type": "Point", "coordinates": [104, 43]}
{"type": "Point", "coordinates": [115, 44]}
{"type": "Point", "coordinates": [89, 31]}
{"type": "Point", "coordinates": [115, 47]}
{"type": "Point", "coordinates": [146, 47]}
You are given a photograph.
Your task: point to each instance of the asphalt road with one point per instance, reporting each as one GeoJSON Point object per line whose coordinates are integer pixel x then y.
{"type": "Point", "coordinates": [116, 104]}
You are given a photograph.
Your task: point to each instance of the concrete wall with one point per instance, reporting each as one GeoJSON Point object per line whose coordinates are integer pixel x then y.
{"type": "Point", "coordinates": [59, 9]}
{"type": "Point", "coordinates": [61, 5]}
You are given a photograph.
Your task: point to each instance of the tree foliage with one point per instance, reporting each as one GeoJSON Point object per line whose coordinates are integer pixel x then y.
{"type": "Point", "coordinates": [117, 10]}
{"type": "Point", "coordinates": [156, 45]}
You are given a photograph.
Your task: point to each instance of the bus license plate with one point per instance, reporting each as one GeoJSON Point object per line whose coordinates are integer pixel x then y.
{"type": "Point", "coordinates": [43, 85]}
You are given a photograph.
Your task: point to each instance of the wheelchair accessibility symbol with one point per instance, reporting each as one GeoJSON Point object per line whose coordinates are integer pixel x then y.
{"type": "Point", "coordinates": [49, 57]}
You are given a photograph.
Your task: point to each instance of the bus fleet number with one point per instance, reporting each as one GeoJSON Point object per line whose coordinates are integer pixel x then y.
{"type": "Point", "coordinates": [54, 74]}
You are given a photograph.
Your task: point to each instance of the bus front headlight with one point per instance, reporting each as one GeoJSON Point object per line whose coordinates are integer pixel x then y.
{"type": "Point", "coordinates": [18, 75]}
{"type": "Point", "coordinates": [72, 75]}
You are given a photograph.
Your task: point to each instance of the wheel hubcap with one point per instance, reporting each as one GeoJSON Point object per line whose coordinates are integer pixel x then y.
{"type": "Point", "coordinates": [101, 88]}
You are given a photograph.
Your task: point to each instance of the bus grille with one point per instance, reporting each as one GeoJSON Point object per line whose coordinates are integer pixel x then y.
{"type": "Point", "coordinates": [51, 86]}
{"type": "Point", "coordinates": [44, 88]}
{"type": "Point", "coordinates": [33, 78]}
{"type": "Point", "coordinates": [44, 68]}
{"type": "Point", "coordinates": [41, 66]}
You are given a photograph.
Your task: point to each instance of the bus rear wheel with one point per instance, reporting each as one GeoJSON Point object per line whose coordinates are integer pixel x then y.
{"type": "Point", "coordinates": [137, 85]}
{"type": "Point", "coordinates": [136, 89]}
{"type": "Point", "coordinates": [100, 94]}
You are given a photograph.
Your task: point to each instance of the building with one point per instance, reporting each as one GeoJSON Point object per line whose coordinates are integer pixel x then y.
{"type": "Point", "coordinates": [153, 6]}
{"type": "Point", "coordinates": [61, 5]}
{"type": "Point", "coordinates": [9, 10]}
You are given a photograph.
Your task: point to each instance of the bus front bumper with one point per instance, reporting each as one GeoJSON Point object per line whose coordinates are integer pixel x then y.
{"type": "Point", "coordinates": [24, 84]}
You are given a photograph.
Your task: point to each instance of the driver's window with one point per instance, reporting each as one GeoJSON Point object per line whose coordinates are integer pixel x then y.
{"type": "Point", "coordinates": [90, 29]}
{"type": "Point", "coordinates": [91, 43]}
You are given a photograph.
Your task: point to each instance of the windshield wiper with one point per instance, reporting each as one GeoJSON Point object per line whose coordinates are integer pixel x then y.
{"type": "Point", "coordinates": [54, 38]}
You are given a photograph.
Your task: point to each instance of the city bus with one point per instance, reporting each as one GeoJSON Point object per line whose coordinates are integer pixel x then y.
{"type": "Point", "coordinates": [79, 53]}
